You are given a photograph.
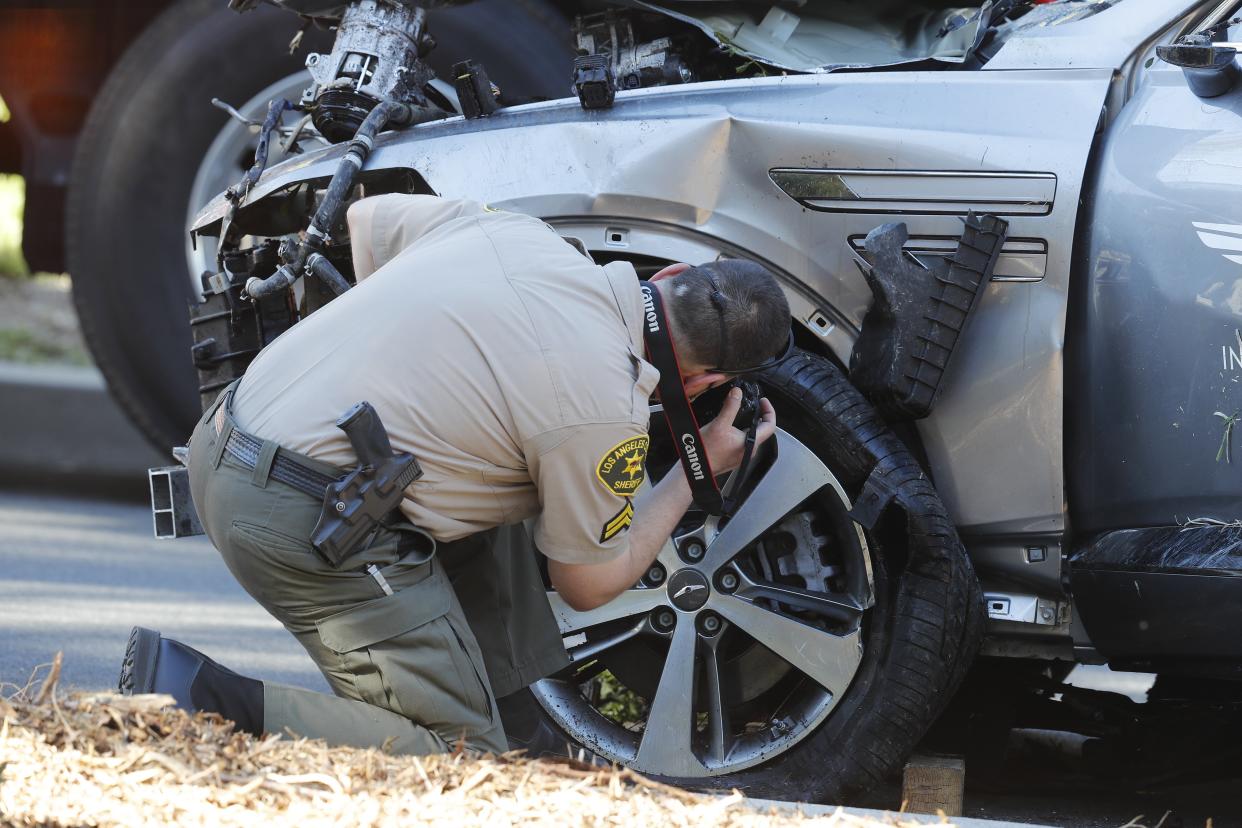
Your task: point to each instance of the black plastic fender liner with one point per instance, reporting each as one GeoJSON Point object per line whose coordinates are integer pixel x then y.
{"type": "Point", "coordinates": [919, 314]}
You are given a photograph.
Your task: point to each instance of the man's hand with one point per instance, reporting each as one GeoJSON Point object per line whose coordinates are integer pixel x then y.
{"type": "Point", "coordinates": [726, 444]}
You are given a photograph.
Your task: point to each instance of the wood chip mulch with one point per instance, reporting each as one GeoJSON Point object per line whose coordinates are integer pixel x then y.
{"type": "Point", "coordinates": [109, 760]}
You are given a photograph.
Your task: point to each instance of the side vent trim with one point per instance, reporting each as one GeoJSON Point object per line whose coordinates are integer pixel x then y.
{"type": "Point", "coordinates": [925, 192]}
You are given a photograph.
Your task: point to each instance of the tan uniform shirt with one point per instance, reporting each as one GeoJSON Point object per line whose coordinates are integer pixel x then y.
{"type": "Point", "coordinates": [505, 361]}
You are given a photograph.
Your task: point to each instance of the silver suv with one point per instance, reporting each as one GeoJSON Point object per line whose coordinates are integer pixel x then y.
{"type": "Point", "coordinates": [1069, 498]}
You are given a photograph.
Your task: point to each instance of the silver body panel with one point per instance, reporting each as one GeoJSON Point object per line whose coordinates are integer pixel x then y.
{"type": "Point", "coordinates": [1161, 288]}
{"type": "Point", "coordinates": [695, 161]}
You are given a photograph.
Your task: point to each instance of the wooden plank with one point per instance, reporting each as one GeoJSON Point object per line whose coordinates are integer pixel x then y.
{"type": "Point", "coordinates": [933, 783]}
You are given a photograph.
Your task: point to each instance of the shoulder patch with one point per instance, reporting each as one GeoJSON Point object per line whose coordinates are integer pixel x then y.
{"type": "Point", "coordinates": [618, 523]}
{"type": "Point", "coordinates": [621, 468]}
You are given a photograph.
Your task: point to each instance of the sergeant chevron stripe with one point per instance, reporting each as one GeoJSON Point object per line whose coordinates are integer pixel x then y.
{"type": "Point", "coordinates": [618, 522]}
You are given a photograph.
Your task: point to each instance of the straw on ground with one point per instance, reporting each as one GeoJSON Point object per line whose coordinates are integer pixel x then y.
{"type": "Point", "coordinates": [110, 760]}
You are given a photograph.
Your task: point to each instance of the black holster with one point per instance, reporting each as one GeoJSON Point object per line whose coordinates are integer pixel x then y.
{"type": "Point", "coordinates": [355, 506]}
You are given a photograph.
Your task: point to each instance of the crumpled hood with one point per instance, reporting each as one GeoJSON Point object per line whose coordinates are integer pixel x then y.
{"type": "Point", "coordinates": [824, 35]}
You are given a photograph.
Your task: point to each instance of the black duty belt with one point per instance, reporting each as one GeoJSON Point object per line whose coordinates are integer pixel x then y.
{"type": "Point", "coordinates": [355, 504]}
{"type": "Point", "coordinates": [246, 448]}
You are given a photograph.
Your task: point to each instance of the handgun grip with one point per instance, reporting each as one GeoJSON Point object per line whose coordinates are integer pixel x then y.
{"type": "Point", "coordinates": [366, 434]}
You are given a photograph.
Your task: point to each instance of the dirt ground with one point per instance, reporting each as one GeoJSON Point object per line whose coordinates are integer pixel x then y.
{"type": "Point", "coordinates": [38, 323]}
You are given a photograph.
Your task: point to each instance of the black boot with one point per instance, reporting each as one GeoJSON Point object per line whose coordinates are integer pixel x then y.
{"type": "Point", "coordinates": [160, 665]}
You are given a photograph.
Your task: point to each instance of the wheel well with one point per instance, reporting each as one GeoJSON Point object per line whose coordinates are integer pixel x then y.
{"type": "Point", "coordinates": [612, 239]}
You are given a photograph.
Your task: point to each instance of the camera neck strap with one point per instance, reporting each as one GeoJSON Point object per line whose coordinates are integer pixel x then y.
{"type": "Point", "coordinates": [678, 413]}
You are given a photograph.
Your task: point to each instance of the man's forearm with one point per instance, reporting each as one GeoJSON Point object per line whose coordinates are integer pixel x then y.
{"type": "Point", "coordinates": [657, 512]}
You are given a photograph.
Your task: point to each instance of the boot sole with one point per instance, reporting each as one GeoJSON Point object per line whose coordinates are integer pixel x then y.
{"type": "Point", "coordinates": [138, 667]}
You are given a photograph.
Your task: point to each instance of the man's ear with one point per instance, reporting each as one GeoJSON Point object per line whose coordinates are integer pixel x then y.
{"type": "Point", "coordinates": [698, 383]}
{"type": "Point", "coordinates": [671, 271]}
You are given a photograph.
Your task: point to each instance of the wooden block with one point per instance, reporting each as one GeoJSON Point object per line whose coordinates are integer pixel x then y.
{"type": "Point", "coordinates": [933, 783]}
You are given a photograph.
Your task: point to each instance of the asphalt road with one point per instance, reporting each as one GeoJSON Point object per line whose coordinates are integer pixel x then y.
{"type": "Point", "coordinates": [77, 573]}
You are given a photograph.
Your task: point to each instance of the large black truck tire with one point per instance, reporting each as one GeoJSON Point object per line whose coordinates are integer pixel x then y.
{"type": "Point", "coordinates": [923, 631]}
{"type": "Point", "coordinates": [140, 150]}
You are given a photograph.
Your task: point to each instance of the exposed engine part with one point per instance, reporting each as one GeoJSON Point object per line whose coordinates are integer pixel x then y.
{"type": "Point", "coordinates": [275, 111]}
{"type": "Point", "coordinates": [305, 257]}
{"type": "Point", "coordinates": [238, 192]}
{"type": "Point", "coordinates": [476, 94]}
{"type": "Point", "coordinates": [320, 9]}
{"type": "Point", "coordinates": [227, 331]}
{"type": "Point", "coordinates": [377, 56]}
{"type": "Point", "coordinates": [289, 134]}
{"type": "Point", "coordinates": [326, 272]}
{"type": "Point", "coordinates": [593, 81]}
{"type": "Point", "coordinates": [634, 63]}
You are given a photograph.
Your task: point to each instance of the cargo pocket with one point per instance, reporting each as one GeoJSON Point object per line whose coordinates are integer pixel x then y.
{"type": "Point", "coordinates": [412, 653]}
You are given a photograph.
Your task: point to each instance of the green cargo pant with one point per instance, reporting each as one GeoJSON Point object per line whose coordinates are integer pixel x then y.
{"type": "Point", "coordinates": [407, 668]}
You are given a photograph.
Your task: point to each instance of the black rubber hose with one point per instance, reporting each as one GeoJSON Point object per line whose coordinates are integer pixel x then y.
{"type": "Point", "coordinates": [257, 288]}
{"type": "Point", "coordinates": [386, 113]}
{"type": "Point", "coordinates": [323, 270]}
{"type": "Point", "coordinates": [275, 110]}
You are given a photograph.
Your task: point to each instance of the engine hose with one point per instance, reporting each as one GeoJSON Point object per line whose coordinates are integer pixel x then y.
{"type": "Point", "coordinates": [386, 113]}
{"type": "Point", "coordinates": [257, 288]}
{"type": "Point", "coordinates": [275, 110]}
{"type": "Point", "coordinates": [323, 270]}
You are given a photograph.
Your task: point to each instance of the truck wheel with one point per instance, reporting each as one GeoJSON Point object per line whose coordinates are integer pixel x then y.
{"type": "Point", "coordinates": [141, 150]}
{"type": "Point", "coordinates": [823, 652]}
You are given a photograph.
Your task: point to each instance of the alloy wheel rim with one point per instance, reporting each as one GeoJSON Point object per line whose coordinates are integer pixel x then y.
{"type": "Point", "coordinates": [687, 731]}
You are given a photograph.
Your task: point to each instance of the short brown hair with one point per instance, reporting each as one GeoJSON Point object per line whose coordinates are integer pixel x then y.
{"type": "Point", "coordinates": [750, 302]}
